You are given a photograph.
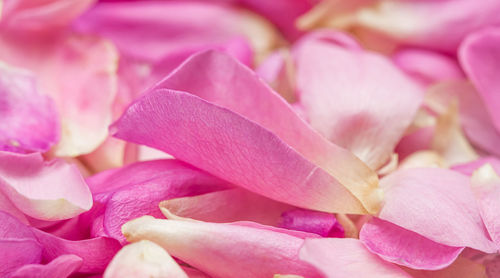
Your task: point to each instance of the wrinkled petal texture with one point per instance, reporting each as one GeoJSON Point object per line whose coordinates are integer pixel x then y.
{"type": "Point", "coordinates": [43, 190]}
{"type": "Point", "coordinates": [222, 250]}
{"type": "Point", "coordinates": [30, 121]}
{"type": "Point", "coordinates": [357, 99]}
{"type": "Point", "coordinates": [227, 127]}
{"type": "Point", "coordinates": [346, 258]}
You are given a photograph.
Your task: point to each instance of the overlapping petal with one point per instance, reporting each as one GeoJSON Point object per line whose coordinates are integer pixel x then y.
{"type": "Point", "coordinates": [60, 267]}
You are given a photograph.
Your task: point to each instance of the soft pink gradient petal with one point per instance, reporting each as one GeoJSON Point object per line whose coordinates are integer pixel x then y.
{"type": "Point", "coordinates": [223, 250]}
{"type": "Point", "coordinates": [96, 252]}
{"type": "Point", "coordinates": [339, 258]}
{"type": "Point", "coordinates": [60, 267]}
{"type": "Point", "coordinates": [251, 137]}
{"type": "Point", "coordinates": [143, 259]}
{"type": "Point", "coordinates": [228, 205]}
{"type": "Point", "coordinates": [437, 204]}
{"type": "Point", "coordinates": [29, 120]}
{"type": "Point", "coordinates": [357, 99]}
{"type": "Point", "coordinates": [470, 167]}
{"type": "Point", "coordinates": [321, 223]}
{"type": "Point", "coordinates": [480, 57]}
{"type": "Point", "coordinates": [36, 15]}
{"type": "Point", "coordinates": [397, 245]}
{"type": "Point", "coordinates": [79, 73]}
{"type": "Point", "coordinates": [43, 190]}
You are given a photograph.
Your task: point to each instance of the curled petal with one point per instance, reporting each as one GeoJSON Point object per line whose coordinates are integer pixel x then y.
{"type": "Point", "coordinates": [60, 267]}
{"type": "Point", "coordinates": [43, 190]}
{"type": "Point", "coordinates": [222, 250]}
{"type": "Point", "coordinates": [347, 257]}
{"type": "Point", "coordinates": [251, 137]}
{"type": "Point", "coordinates": [321, 223]}
{"type": "Point", "coordinates": [143, 259]}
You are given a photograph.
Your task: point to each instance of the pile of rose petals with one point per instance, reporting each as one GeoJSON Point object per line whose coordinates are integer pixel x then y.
{"type": "Point", "coordinates": [250, 138]}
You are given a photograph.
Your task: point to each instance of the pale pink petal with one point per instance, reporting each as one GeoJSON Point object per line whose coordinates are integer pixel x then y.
{"type": "Point", "coordinates": [469, 168]}
{"type": "Point", "coordinates": [79, 73]}
{"type": "Point", "coordinates": [223, 250]}
{"type": "Point", "coordinates": [338, 258]}
{"type": "Point", "coordinates": [60, 267]}
{"type": "Point", "coordinates": [357, 99]}
{"type": "Point", "coordinates": [36, 15]}
{"type": "Point", "coordinates": [251, 137]}
{"type": "Point", "coordinates": [163, 27]}
{"type": "Point", "coordinates": [437, 204]}
{"type": "Point", "coordinates": [486, 187]}
{"type": "Point", "coordinates": [143, 259]}
{"type": "Point", "coordinates": [96, 252]}
{"type": "Point", "coordinates": [461, 267]}
{"type": "Point", "coordinates": [228, 205]}
{"type": "Point", "coordinates": [29, 120]}
{"type": "Point", "coordinates": [43, 190]}
{"type": "Point", "coordinates": [321, 223]}
{"type": "Point", "coordinates": [18, 244]}
{"type": "Point", "coordinates": [404, 247]}
{"type": "Point", "coordinates": [480, 58]}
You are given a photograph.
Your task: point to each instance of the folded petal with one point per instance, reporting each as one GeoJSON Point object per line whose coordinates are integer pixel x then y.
{"type": "Point", "coordinates": [60, 267]}
{"type": "Point", "coordinates": [43, 190]}
{"type": "Point", "coordinates": [480, 58]}
{"type": "Point", "coordinates": [228, 205]}
{"type": "Point", "coordinates": [347, 257]}
{"type": "Point", "coordinates": [223, 250]}
{"type": "Point", "coordinates": [29, 120]}
{"type": "Point", "coordinates": [321, 223]}
{"type": "Point", "coordinates": [337, 85]}
{"type": "Point", "coordinates": [238, 129]}
{"type": "Point", "coordinates": [398, 245]}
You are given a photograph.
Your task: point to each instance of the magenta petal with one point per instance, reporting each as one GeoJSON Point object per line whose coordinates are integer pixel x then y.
{"type": "Point", "coordinates": [339, 258]}
{"type": "Point", "coordinates": [321, 223]}
{"type": "Point", "coordinates": [61, 267]}
{"type": "Point", "coordinates": [96, 252]}
{"type": "Point", "coordinates": [480, 58]}
{"type": "Point", "coordinates": [245, 133]}
{"type": "Point", "coordinates": [29, 120]}
{"type": "Point", "coordinates": [43, 190]}
{"type": "Point", "coordinates": [397, 245]}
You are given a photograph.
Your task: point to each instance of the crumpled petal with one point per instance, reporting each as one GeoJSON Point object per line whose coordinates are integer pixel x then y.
{"type": "Point", "coordinates": [60, 267]}
{"type": "Point", "coordinates": [321, 223]}
{"type": "Point", "coordinates": [223, 250]}
{"type": "Point", "coordinates": [480, 57]}
{"type": "Point", "coordinates": [29, 120]}
{"type": "Point", "coordinates": [43, 190]}
{"type": "Point", "coordinates": [251, 137]}
{"type": "Point", "coordinates": [337, 85]}
{"type": "Point", "coordinates": [36, 15]}
{"type": "Point", "coordinates": [230, 205]}
{"type": "Point", "coordinates": [143, 259]}
{"type": "Point", "coordinates": [18, 244]}
{"type": "Point", "coordinates": [137, 189]}
{"type": "Point", "coordinates": [79, 73]}
{"type": "Point", "coordinates": [404, 247]}
{"type": "Point", "coordinates": [338, 258]}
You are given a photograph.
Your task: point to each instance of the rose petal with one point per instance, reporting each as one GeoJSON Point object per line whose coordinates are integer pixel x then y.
{"type": "Point", "coordinates": [321, 223]}
{"type": "Point", "coordinates": [60, 267]}
{"type": "Point", "coordinates": [143, 259]}
{"type": "Point", "coordinates": [43, 190]}
{"type": "Point", "coordinates": [336, 257]}
{"type": "Point", "coordinates": [223, 250]}
{"type": "Point", "coordinates": [238, 144]}
{"type": "Point", "coordinates": [337, 83]}
{"type": "Point", "coordinates": [469, 168]}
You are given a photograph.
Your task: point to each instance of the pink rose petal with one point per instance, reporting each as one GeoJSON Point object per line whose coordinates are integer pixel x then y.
{"type": "Point", "coordinates": [321, 223]}
{"type": "Point", "coordinates": [61, 267]}
{"type": "Point", "coordinates": [250, 137]}
{"type": "Point", "coordinates": [470, 167]}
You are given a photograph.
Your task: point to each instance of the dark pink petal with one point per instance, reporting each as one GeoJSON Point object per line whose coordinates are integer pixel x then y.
{"type": "Point", "coordinates": [250, 137]}
{"type": "Point", "coordinates": [480, 58]}
{"type": "Point", "coordinates": [223, 250]}
{"type": "Point", "coordinates": [96, 252]}
{"type": "Point", "coordinates": [29, 120]}
{"type": "Point", "coordinates": [338, 258]}
{"type": "Point", "coordinates": [61, 267]}
{"type": "Point", "coordinates": [43, 190]}
{"type": "Point", "coordinates": [404, 247]}
{"type": "Point", "coordinates": [321, 223]}
{"type": "Point", "coordinates": [337, 85]}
